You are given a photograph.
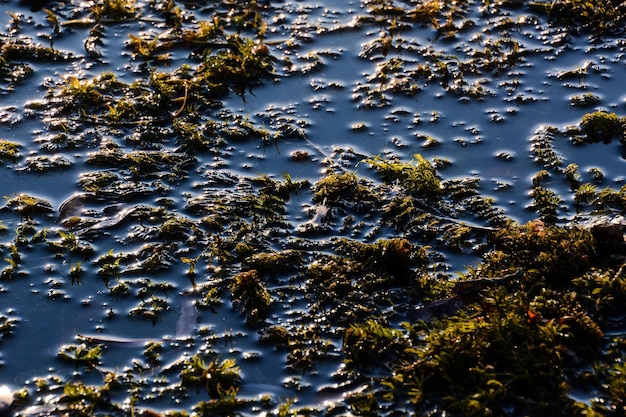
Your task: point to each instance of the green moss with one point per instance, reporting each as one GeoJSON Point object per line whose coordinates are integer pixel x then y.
{"type": "Point", "coordinates": [532, 246]}
{"type": "Point", "coordinates": [9, 151]}
{"type": "Point", "coordinates": [596, 16]}
{"type": "Point", "coordinates": [218, 377]}
{"type": "Point", "coordinates": [250, 295]}
{"type": "Point", "coordinates": [511, 346]}
{"type": "Point", "coordinates": [616, 388]}
{"type": "Point", "coordinates": [150, 309]}
{"type": "Point", "coordinates": [240, 64]}
{"type": "Point", "coordinates": [178, 228]}
{"type": "Point", "coordinates": [371, 344]}
{"type": "Point", "coordinates": [602, 126]}
{"type": "Point", "coordinates": [268, 262]}
{"type": "Point", "coordinates": [585, 100]}
{"type": "Point", "coordinates": [387, 256]}
{"type": "Point", "coordinates": [418, 177]}
{"type": "Point", "coordinates": [7, 325]}
{"type": "Point", "coordinates": [490, 360]}
{"type": "Point", "coordinates": [81, 354]}
{"type": "Point", "coordinates": [572, 175]}
{"type": "Point", "coordinates": [543, 148]}
{"type": "Point", "coordinates": [29, 205]}
{"type": "Point", "coordinates": [344, 188]}
{"type": "Point", "coordinates": [110, 267]}
{"type": "Point", "coordinates": [546, 203]}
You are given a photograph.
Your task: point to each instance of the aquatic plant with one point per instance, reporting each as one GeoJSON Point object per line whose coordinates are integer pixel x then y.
{"type": "Point", "coordinates": [29, 206]}
{"type": "Point", "coordinates": [546, 203]}
{"type": "Point", "coordinates": [386, 256]}
{"type": "Point", "coordinates": [152, 353]}
{"type": "Point", "coordinates": [616, 387]}
{"type": "Point", "coordinates": [489, 362]}
{"type": "Point", "coordinates": [272, 262]}
{"type": "Point", "coordinates": [9, 151]}
{"type": "Point", "coordinates": [240, 64]}
{"type": "Point", "coordinates": [585, 100]}
{"type": "Point", "coordinates": [76, 271]}
{"type": "Point", "coordinates": [82, 355]}
{"type": "Point", "coordinates": [7, 325]}
{"type": "Point", "coordinates": [148, 49]}
{"type": "Point", "coordinates": [543, 148]}
{"type": "Point", "coordinates": [535, 316]}
{"type": "Point", "coordinates": [365, 341]}
{"type": "Point", "coordinates": [417, 177]}
{"type": "Point", "coordinates": [596, 16]}
{"type": "Point", "coordinates": [219, 378]}
{"type": "Point", "coordinates": [150, 309]}
{"type": "Point", "coordinates": [226, 403]}
{"type": "Point", "coordinates": [250, 296]}
{"type": "Point", "coordinates": [72, 244]}
{"type": "Point", "coordinates": [13, 261]}
{"type": "Point", "coordinates": [603, 126]}
{"type": "Point", "coordinates": [532, 246]}
{"type": "Point", "coordinates": [572, 175]}
{"type": "Point", "coordinates": [345, 188]}
{"type": "Point", "coordinates": [110, 267]}
{"type": "Point", "coordinates": [85, 400]}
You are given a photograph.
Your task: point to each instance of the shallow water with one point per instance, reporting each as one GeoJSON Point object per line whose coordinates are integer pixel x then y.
{"type": "Point", "coordinates": [323, 96]}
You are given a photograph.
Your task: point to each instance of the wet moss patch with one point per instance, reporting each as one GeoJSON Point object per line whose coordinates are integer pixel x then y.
{"type": "Point", "coordinates": [349, 275]}
{"type": "Point", "coordinates": [9, 151]}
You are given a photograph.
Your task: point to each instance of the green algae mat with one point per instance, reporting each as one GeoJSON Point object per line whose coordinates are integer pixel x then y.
{"type": "Point", "coordinates": [308, 208]}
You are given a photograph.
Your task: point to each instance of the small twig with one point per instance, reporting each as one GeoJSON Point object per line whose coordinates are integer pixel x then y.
{"type": "Point", "coordinates": [184, 99]}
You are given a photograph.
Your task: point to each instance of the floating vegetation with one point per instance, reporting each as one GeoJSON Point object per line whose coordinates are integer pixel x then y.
{"type": "Point", "coordinates": [543, 148]}
{"type": "Point", "coordinates": [362, 278]}
{"type": "Point", "coordinates": [603, 126]}
{"type": "Point", "coordinates": [251, 296]}
{"type": "Point", "coordinates": [585, 100]}
{"type": "Point", "coordinates": [597, 17]}
{"type": "Point", "coordinates": [417, 177]}
{"type": "Point", "coordinates": [29, 206]}
{"type": "Point", "coordinates": [219, 378]}
{"type": "Point", "coordinates": [9, 151]}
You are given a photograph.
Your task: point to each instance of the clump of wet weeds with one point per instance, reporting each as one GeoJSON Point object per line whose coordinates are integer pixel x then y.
{"type": "Point", "coordinates": [82, 355]}
{"type": "Point", "coordinates": [47, 163]}
{"type": "Point", "coordinates": [585, 100]}
{"type": "Point", "coordinates": [509, 336]}
{"type": "Point", "coordinates": [220, 378]}
{"type": "Point", "coordinates": [29, 206]}
{"type": "Point", "coordinates": [7, 325]}
{"type": "Point", "coordinates": [364, 340]}
{"type": "Point", "coordinates": [595, 16]}
{"type": "Point", "coordinates": [393, 256]}
{"type": "Point", "coordinates": [273, 262]}
{"type": "Point", "coordinates": [543, 147]}
{"type": "Point", "coordinates": [9, 151]}
{"type": "Point", "coordinates": [603, 126]}
{"type": "Point", "coordinates": [546, 202]}
{"type": "Point", "coordinates": [417, 177]}
{"type": "Point", "coordinates": [71, 244]}
{"type": "Point", "coordinates": [250, 296]}
{"type": "Point", "coordinates": [513, 345]}
{"type": "Point", "coordinates": [344, 189]}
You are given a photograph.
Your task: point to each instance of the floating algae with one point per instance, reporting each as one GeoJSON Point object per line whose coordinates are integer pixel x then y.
{"type": "Point", "coordinates": [457, 250]}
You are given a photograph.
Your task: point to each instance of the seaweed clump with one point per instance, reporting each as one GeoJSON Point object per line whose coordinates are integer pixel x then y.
{"type": "Point", "coordinates": [512, 347]}
{"type": "Point", "coordinates": [599, 17]}
{"type": "Point", "coordinates": [602, 126]}
{"type": "Point", "coordinates": [9, 151]}
{"type": "Point", "coordinates": [250, 295]}
{"type": "Point", "coordinates": [418, 177]}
